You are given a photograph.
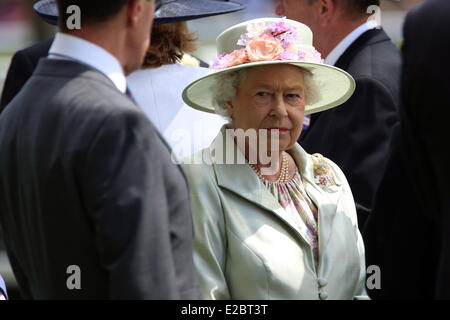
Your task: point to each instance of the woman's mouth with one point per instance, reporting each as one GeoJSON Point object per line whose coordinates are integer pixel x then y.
{"type": "Point", "coordinates": [280, 130]}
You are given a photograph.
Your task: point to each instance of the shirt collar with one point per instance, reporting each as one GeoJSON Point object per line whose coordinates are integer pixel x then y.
{"type": "Point", "coordinates": [74, 48]}
{"type": "Point", "coordinates": [339, 50]}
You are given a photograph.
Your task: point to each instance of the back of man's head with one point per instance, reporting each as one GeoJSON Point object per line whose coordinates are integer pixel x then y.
{"type": "Point", "coordinates": [121, 27]}
{"type": "Point", "coordinates": [358, 7]}
{"type": "Point", "coordinates": [92, 11]}
{"type": "Point", "coordinates": [354, 7]}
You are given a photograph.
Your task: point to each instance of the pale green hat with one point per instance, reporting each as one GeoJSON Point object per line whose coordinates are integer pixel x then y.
{"type": "Point", "coordinates": [269, 41]}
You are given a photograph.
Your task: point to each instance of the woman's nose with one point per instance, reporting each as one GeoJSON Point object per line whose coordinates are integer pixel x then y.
{"type": "Point", "coordinates": [279, 107]}
{"type": "Point", "coordinates": [279, 10]}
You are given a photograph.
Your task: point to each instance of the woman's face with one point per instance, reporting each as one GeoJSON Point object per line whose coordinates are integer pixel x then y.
{"type": "Point", "coordinates": [271, 97]}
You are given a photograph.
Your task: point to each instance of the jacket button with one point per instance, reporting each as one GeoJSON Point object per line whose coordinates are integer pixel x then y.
{"type": "Point", "coordinates": [322, 282]}
{"type": "Point", "coordinates": [323, 295]}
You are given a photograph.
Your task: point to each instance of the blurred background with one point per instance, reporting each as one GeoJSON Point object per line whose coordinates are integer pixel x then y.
{"type": "Point", "coordinates": [21, 27]}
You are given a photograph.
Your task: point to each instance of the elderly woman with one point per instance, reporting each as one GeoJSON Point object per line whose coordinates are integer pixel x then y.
{"type": "Point", "coordinates": [286, 233]}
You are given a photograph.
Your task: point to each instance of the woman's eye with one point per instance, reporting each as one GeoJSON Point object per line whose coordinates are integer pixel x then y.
{"type": "Point", "coordinates": [293, 96]}
{"type": "Point", "coordinates": [262, 94]}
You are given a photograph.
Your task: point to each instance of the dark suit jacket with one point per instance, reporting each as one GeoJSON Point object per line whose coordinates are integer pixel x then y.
{"type": "Point", "coordinates": [86, 180]}
{"type": "Point", "coordinates": [408, 234]}
{"type": "Point", "coordinates": [399, 238]}
{"type": "Point", "coordinates": [21, 68]}
{"type": "Point", "coordinates": [356, 134]}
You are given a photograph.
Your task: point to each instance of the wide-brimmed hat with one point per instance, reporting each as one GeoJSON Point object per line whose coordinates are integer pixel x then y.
{"type": "Point", "coordinates": [170, 12]}
{"type": "Point", "coordinates": [47, 10]}
{"type": "Point", "coordinates": [271, 41]}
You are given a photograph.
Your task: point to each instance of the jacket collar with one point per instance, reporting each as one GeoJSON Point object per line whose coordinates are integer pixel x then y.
{"type": "Point", "coordinates": [367, 38]}
{"type": "Point", "coordinates": [66, 69]}
{"type": "Point", "coordinates": [345, 43]}
{"type": "Point", "coordinates": [240, 179]}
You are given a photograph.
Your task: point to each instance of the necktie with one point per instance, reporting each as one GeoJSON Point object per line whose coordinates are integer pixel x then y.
{"type": "Point", "coordinates": [130, 94]}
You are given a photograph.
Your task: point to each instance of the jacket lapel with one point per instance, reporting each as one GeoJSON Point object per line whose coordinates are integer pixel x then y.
{"type": "Point", "coordinates": [369, 37]}
{"type": "Point", "coordinates": [240, 179]}
{"type": "Point", "coordinates": [326, 201]}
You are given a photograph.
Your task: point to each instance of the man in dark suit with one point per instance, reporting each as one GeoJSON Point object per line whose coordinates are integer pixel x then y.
{"type": "Point", "coordinates": [356, 134]}
{"type": "Point", "coordinates": [91, 205]}
{"type": "Point", "coordinates": [21, 68]}
{"type": "Point", "coordinates": [25, 61]}
{"type": "Point", "coordinates": [408, 232]}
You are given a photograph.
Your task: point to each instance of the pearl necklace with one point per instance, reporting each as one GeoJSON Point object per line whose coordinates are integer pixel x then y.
{"type": "Point", "coordinates": [283, 174]}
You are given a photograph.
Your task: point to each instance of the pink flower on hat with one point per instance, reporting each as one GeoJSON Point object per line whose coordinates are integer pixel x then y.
{"type": "Point", "coordinates": [277, 28]}
{"type": "Point", "coordinates": [264, 48]}
{"type": "Point", "coordinates": [267, 43]}
{"type": "Point", "coordinates": [256, 29]}
{"type": "Point", "coordinates": [310, 55]}
{"type": "Point", "coordinates": [235, 58]}
{"type": "Point", "coordinates": [238, 57]}
{"type": "Point", "coordinates": [222, 61]}
{"type": "Point", "coordinates": [286, 56]}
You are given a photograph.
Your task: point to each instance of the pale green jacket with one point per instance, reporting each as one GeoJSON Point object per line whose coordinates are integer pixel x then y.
{"type": "Point", "coordinates": [246, 246]}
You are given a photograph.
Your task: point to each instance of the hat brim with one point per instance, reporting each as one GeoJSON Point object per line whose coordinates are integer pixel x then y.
{"type": "Point", "coordinates": [47, 10]}
{"type": "Point", "coordinates": [335, 85]}
{"type": "Point", "coordinates": [171, 12]}
{"type": "Point", "coordinates": [185, 10]}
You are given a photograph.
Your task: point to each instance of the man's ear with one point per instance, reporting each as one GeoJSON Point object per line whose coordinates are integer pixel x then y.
{"type": "Point", "coordinates": [134, 11]}
{"type": "Point", "coordinates": [327, 11]}
{"type": "Point", "coordinates": [279, 9]}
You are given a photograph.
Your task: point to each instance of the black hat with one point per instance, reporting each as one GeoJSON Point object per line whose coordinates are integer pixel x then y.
{"type": "Point", "coordinates": [170, 12]}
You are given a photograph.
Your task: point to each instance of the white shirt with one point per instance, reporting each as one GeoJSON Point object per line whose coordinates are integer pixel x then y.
{"type": "Point", "coordinates": [74, 48]}
{"type": "Point", "coordinates": [158, 92]}
{"type": "Point", "coordinates": [339, 50]}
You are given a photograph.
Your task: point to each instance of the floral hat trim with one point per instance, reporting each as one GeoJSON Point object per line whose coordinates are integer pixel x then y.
{"type": "Point", "coordinates": [267, 43]}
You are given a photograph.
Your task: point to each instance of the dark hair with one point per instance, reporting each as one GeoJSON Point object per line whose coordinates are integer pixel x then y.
{"type": "Point", "coordinates": [96, 11]}
{"type": "Point", "coordinates": [359, 6]}
{"type": "Point", "coordinates": [354, 6]}
{"type": "Point", "coordinates": [168, 43]}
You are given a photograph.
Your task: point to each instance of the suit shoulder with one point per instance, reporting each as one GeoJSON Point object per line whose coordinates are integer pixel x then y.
{"type": "Point", "coordinates": [99, 97]}
{"type": "Point", "coordinates": [379, 60]}
{"type": "Point", "coordinates": [378, 66]}
{"type": "Point", "coordinates": [92, 104]}
{"type": "Point", "coordinates": [37, 50]}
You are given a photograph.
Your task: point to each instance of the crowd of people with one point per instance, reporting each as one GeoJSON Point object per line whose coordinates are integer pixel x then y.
{"type": "Point", "coordinates": [309, 150]}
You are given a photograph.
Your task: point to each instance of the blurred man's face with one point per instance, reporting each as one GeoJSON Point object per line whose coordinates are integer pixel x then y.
{"type": "Point", "coordinates": [140, 32]}
{"type": "Point", "coordinates": [302, 11]}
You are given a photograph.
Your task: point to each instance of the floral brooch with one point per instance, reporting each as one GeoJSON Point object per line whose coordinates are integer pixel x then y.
{"type": "Point", "coordinates": [323, 175]}
{"type": "Point", "coordinates": [267, 43]}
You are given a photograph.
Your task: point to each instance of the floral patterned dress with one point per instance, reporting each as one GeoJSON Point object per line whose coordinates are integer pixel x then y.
{"type": "Point", "coordinates": [293, 198]}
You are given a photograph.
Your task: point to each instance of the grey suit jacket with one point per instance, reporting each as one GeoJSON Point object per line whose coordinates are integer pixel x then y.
{"type": "Point", "coordinates": [86, 181]}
